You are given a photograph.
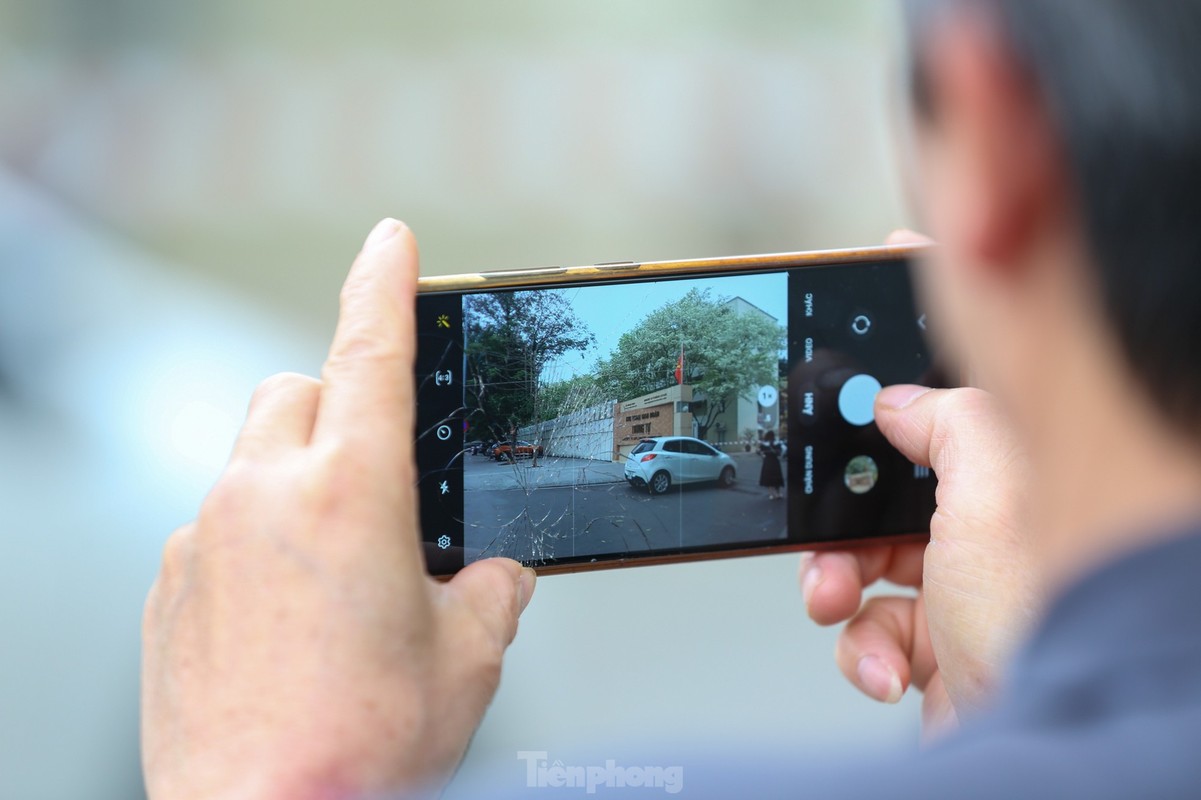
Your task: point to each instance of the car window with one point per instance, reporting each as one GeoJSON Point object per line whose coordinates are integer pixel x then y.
{"type": "Point", "coordinates": [697, 448]}
{"type": "Point", "coordinates": [673, 446]}
{"type": "Point", "coordinates": [642, 448]}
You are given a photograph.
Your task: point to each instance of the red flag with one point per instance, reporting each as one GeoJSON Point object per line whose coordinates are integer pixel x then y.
{"type": "Point", "coordinates": [680, 366]}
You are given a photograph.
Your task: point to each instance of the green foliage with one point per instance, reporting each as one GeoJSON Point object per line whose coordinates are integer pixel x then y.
{"type": "Point", "coordinates": [726, 354]}
{"type": "Point", "coordinates": [511, 337]}
{"type": "Point", "coordinates": [559, 398]}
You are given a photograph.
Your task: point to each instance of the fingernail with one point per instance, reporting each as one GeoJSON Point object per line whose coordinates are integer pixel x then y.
{"type": "Point", "coordinates": [525, 587]}
{"type": "Point", "coordinates": [898, 397]}
{"type": "Point", "coordinates": [813, 577]}
{"type": "Point", "coordinates": [879, 680]}
{"type": "Point", "coordinates": [384, 230]}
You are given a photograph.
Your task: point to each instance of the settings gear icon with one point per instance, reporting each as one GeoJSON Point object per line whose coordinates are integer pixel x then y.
{"type": "Point", "coordinates": [444, 541]}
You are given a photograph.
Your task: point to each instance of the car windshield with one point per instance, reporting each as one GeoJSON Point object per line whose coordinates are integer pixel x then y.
{"type": "Point", "coordinates": [643, 447]}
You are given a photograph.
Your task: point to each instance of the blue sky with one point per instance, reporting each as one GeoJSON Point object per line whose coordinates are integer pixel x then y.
{"type": "Point", "coordinates": [609, 311]}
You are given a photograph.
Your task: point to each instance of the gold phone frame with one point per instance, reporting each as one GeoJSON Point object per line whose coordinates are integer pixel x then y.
{"type": "Point", "coordinates": [538, 277]}
{"type": "Point", "coordinates": [625, 270]}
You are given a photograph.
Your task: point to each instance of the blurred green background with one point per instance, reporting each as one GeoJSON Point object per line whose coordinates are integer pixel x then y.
{"type": "Point", "coordinates": [237, 151]}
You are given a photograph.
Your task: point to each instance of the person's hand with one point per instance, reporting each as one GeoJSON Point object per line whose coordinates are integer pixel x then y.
{"type": "Point", "coordinates": [293, 645]}
{"type": "Point", "coordinates": [977, 590]}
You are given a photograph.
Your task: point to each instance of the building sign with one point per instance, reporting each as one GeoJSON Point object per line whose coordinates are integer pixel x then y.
{"type": "Point", "coordinates": [648, 400]}
{"type": "Point", "coordinates": [654, 414]}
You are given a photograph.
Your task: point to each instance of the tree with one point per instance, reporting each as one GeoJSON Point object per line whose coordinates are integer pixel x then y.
{"type": "Point", "coordinates": [557, 398]}
{"type": "Point", "coordinates": [511, 338]}
{"type": "Point", "coordinates": [726, 354]}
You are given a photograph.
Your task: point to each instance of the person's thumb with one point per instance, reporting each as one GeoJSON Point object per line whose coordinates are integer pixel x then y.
{"type": "Point", "coordinates": [965, 436]}
{"type": "Point", "coordinates": [951, 430]}
{"type": "Point", "coordinates": [905, 415]}
{"type": "Point", "coordinates": [978, 584]}
{"type": "Point", "coordinates": [496, 590]}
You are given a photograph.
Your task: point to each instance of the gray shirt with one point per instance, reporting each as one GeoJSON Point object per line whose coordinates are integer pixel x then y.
{"type": "Point", "coordinates": [1103, 702]}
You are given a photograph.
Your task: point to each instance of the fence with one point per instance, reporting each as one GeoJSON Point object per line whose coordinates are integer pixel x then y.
{"type": "Point", "coordinates": [587, 433]}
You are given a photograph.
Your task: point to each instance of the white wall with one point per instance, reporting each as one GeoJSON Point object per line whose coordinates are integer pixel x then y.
{"type": "Point", "coordinates": [587, 433]}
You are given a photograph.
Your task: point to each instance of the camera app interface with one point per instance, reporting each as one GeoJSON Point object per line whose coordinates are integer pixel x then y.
{"type": "Point", "coordinates": [565, 425]}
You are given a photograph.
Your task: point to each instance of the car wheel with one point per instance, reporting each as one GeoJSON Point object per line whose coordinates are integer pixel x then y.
{"type": "Point", "coordinates": [727, 478]}
{"type": "Point", "coordinates": [660, 483]}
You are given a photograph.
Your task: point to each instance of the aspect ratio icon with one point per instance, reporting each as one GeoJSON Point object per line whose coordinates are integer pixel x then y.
{"type": "Point", "coordinates": [444, 377]}
{"type": "Point", "coordinates": [443, 432]}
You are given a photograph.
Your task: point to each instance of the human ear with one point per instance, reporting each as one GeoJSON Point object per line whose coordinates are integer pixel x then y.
{"type": "Point", "coordinates": [1002, 174]}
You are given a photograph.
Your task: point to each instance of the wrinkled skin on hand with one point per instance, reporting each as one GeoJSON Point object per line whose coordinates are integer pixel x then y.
{"type": "Point", "coordinates": [976, 591]}
{"type": "Point", "coordinates": [293, 644]}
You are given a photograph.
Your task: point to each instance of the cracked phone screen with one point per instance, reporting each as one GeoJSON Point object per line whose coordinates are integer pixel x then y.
{"type": "Point", "coordinates": [569, 425]}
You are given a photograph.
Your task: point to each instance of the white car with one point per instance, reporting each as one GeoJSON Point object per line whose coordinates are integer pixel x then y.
{"type": "Point", "coordinates": [658, 463]}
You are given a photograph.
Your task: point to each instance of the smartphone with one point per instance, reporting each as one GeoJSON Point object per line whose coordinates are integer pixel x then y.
{"type": "Point", "coordinates": [622, 414]}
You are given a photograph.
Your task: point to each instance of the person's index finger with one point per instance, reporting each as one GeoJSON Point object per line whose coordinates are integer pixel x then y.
{"type": "Point", "coordinates": [368, 393]}
{"type": "Point", "coordinates": [832, 581]}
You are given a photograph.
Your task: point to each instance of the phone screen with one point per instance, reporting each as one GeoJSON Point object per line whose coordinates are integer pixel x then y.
{"type": "Point", "coordinates": [630, 419]}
